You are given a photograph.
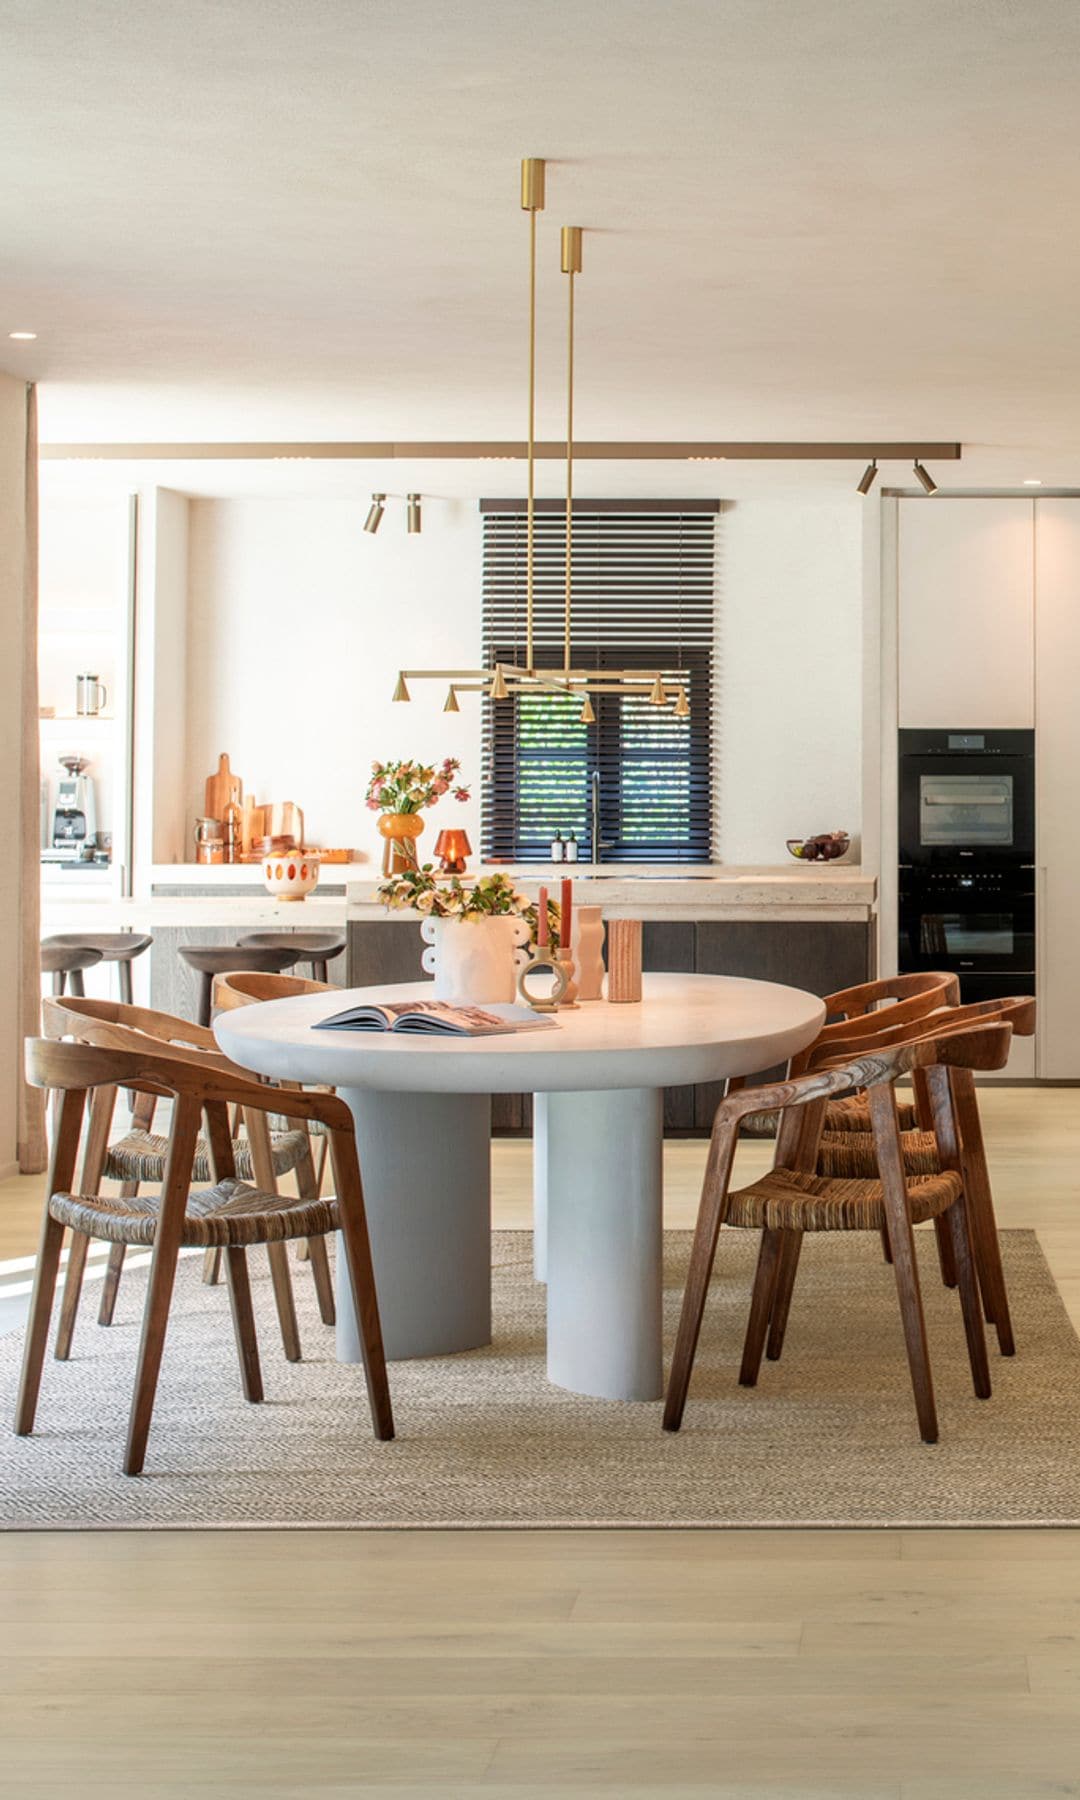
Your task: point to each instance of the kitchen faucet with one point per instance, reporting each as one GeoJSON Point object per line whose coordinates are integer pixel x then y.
{"type": "Point", "coordinates": [598, 843]}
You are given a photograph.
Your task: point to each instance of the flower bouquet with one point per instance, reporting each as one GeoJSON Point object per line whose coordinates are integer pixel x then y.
{"type": "Point", "coordinates": [476, 931]}
{"type": "Point", "coordinates": [400, 791]}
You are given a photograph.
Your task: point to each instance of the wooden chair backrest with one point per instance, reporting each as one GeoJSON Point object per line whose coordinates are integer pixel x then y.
{"type": "Point", "coordinates": [1017, 1011]}
{"type": "Point", "coordinates": [853, 1002]}
{"type": "Point", "coordinates": [90, 1021]}
{"type": "Point", "coordinates": [983, 1047]}
{"type": "Point", "coordinates": [878, 1006]}
{"type": "Point", "coordinates": [131, 1059]}
{"type": "Point", "coordinates": [244, 988]}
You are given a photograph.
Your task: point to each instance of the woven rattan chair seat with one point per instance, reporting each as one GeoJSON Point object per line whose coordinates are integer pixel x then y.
{"type": "Point", "coordinates": [852, 1154]}
{"type": "Point", "coordinates": [853, 1114]}
{"type": "Point", "coordinates": [229, 1214]}
{"type": "Point", "coordinates": [278, 1122]}
{"type": "Point", "coordinates": [789, 1200]}
{"type": "Point", "coordinates": [141, 1156]}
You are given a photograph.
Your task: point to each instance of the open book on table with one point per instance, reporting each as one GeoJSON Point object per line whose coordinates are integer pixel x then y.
{"type": "Point", "coordinates": [438, 1018]}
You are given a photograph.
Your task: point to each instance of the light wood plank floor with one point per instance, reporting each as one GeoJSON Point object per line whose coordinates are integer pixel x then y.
{"type": "Point", "coordinates": [764, 1665]}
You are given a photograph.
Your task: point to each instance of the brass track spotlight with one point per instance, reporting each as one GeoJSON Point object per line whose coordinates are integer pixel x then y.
{"type": "Point", "coordinates": [925, 479]}
{"type": "Point", "coordinates": [413, 506]}
{"type": "Point", "coordinates": [375, 512]}
{"type": "Point", "coordinates": [869, 476]}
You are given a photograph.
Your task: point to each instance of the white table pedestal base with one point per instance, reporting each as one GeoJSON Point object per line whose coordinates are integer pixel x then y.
{"type": "Point", "coordinates": [425, 1161]}
{"type": "Point", "coordinates": [540, 1186]}
{"type": "Point", "coordinates": [604, 1161]}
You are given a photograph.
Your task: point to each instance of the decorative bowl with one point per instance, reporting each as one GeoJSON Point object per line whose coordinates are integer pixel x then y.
{"type": "Point", "coordinates": [292, 874]}
{"type": "Point", "coordinates": [826, 847]}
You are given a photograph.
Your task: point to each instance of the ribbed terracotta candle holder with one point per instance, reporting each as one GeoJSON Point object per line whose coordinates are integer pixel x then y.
{"type": "Point", "coordinates": [623, 960]}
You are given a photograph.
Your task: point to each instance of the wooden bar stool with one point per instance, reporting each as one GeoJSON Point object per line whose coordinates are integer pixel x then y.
{"type": "Point", "coordinates": [65, 961]}
{"type": "Point", "coordinates": [316, 948]}
{"type": "Point", "coordinates": [119, 947]}
{"type": "Point", "coordinates": [209, 960]}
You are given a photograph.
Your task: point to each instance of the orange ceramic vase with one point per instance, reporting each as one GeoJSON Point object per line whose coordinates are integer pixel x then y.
{"type": "Point", "coordinates": [401, 831]}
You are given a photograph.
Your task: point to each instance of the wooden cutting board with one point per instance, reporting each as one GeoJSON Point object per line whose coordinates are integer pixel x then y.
{"type": "Point", "coordinates": [222, 789]}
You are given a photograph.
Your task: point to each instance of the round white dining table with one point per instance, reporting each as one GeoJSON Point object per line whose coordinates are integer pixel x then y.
{"type": "Point", "coordinates": [422, 1107]}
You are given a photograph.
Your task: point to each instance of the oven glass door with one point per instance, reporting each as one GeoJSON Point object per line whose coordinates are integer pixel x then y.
{"type": "Point", "coordinates": [967, 931]}
{"type": "Point", "coordinates": [966, 811]}
{"type": "Point", "coordinates": [960, 808]}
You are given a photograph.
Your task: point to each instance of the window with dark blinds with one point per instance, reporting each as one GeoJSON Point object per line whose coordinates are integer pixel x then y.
{"type": "Point", "coordinates": [643, 597]}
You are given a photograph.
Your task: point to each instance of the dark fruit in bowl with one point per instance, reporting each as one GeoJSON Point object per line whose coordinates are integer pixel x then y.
{"type": "Point", "coordinates": [826, 847]}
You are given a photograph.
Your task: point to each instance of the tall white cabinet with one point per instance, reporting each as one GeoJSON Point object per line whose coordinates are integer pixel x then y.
{"type": "Point", "coordinates": [1057, 809]}
{"type": "Point", "coordinates": [988, 636]}
{"type": "Point", "coordinates": [966, 617]}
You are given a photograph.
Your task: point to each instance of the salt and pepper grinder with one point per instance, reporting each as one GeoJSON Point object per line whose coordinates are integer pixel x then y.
{"type": "Point", "coordinates": [564, 955]}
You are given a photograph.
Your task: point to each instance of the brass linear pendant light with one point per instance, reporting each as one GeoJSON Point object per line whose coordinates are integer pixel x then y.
{"type": "Point", "coordinates": [506, 679]}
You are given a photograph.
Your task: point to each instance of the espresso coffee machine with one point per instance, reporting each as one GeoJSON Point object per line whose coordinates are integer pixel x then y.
{"type": "Point", "coordinates": [74, 814]}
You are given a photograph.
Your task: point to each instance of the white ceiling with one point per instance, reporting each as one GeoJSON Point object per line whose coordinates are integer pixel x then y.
{"type": "Point", "coordinates": [804, 218]}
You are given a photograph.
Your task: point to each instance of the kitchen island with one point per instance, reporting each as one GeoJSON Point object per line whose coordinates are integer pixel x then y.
{"type": "Point", "coordinates": [809, 926]}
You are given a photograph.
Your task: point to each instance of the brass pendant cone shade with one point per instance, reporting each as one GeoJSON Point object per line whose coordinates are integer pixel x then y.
{"type": "Point", "coordinates": [533, 170]}
{"type": "Point", "coordinates": [401, 692]}
{"type": "Point", "coordinates": [587, 716]}
{"type": "Point", "coordinates": [658, 696]}
{"type": "Point", "coordinates": [451, 704]}
{"type": "Point", "coordinates": [375, 512]}
{"type": "Point", "coordinates": [413, 513]}
{"type": "Point", "coordinates": [682, 705]}
{"type": "Point", "coordinates": [498, 689]}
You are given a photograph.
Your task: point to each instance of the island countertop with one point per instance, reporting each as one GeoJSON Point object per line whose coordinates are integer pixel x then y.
{"type": "Point", "coordinates": [234, 897]}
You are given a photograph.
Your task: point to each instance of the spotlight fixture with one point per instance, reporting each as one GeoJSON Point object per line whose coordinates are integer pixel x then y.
{"type": "Point", "coordinates": [869, 476]}
{"type": "Point", "coordinates": [401, 692]}
{"type": "Point", "coordinates": [451, 700]}
{"type": "Point", "coordinates": [375, 513]}
{"type": "Point", "coordinates": [413, 504]}
{"type": "Point", "coordinates": [658, 696]}
{"type": "Point", "coordinates": [587, 715]}
{"type": "Point", "coordinates": [1033, 481]}
{"type": "Point", "coordinates": [925, 479]}
{"type": "Point", "coordinates": [23, 337]}
{"type": "Point", "coordinates": [682, 705]}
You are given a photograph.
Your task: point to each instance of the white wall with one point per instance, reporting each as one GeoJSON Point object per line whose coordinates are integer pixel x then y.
{"type": "Point", "coordinates": [788, 675]}
{"type": "Point", "coordinates": [298, 622]}
{"type": "Point", "coordinates": [12, 553]}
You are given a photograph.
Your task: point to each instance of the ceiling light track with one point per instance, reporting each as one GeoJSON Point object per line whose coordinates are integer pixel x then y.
{"type": "Point", "coordinates": [498, 450]}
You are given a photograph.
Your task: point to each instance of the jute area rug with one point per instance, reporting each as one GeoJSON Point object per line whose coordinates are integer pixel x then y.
{"type": "Point", "coordinates": [827, 1438]}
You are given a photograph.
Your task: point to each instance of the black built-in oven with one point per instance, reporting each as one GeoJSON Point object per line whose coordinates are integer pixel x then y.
{"type": "Point", "coordinates": [967, 855]}
{"type": "Point", "coordinates": [967, 797]}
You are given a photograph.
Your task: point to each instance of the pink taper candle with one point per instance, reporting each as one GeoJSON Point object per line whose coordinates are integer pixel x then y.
{"type": "Point", "coordinates": [542, 920]}
{"type": "Point", "coordinates": [566, 912]}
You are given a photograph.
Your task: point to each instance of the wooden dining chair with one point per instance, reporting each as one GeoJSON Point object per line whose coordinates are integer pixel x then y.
{"type": "Point", "coordinates": [241, 987]}
{"type": "Point", "coordinates": [231, 1214]}
{"type": "Point", "coordinates": [140, 1156]}
{"type": "Point", "coordinates": [793, 1198]}
{"type": "Point", "coordinates": [846, 1154]}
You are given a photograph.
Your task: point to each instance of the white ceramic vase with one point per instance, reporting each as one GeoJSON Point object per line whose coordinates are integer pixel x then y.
{"type": "Point", "coordinates": [475, 960]}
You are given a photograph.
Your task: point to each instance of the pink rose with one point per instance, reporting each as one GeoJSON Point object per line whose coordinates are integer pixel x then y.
{"type": "Point", "coordinates": [461, 793]}
{"type": "Point", "coordinates": [440, 786]}
{"type": "Point", "coordinates": [373, 806]}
